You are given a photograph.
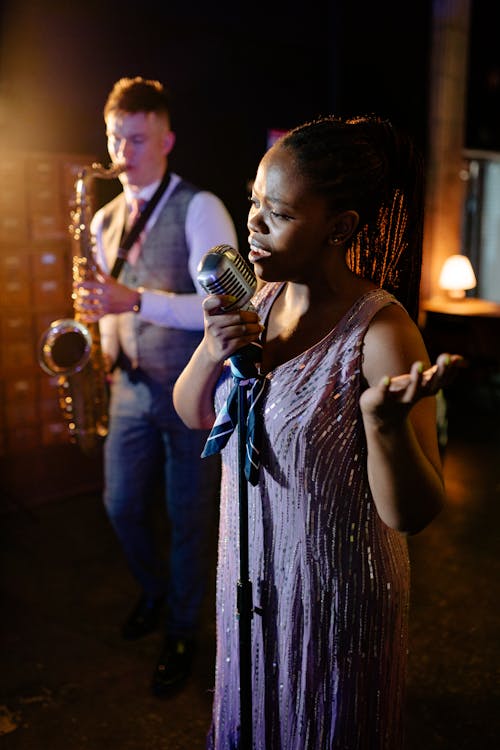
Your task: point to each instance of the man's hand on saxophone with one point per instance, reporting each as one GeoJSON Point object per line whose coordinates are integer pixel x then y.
{"type": "Point", "coordinates": [101, 295]}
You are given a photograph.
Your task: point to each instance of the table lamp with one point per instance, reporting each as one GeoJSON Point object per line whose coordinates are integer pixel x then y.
{"type": "Point", "coordinates": [456, 276]}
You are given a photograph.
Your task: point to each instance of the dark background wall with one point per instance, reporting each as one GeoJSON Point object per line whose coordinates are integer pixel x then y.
{"type": "Point", "coordinates": [483, 101]}
{"type": "Point", "coordinates": [234, 71]}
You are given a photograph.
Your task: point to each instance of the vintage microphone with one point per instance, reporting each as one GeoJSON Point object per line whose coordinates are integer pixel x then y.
{"type": "Point", "coordinates": [223, 270]}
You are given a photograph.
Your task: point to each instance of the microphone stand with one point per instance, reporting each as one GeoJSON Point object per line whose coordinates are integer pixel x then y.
{"type": "Point", "coordinates": [223, 270]}
{"type": "Point", "coordinates": [244, 586]}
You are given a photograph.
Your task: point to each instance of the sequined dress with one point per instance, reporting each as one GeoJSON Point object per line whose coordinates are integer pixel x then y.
{"type": "Point", "coordinates": [332, 581]}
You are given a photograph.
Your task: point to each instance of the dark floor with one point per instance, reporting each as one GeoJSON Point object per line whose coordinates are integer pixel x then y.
{"type": "Point", "coordinates": [68, 682]}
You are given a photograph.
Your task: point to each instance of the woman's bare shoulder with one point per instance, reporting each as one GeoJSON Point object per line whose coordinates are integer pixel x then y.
{"type": "Point", "coordinates": [392, 343]}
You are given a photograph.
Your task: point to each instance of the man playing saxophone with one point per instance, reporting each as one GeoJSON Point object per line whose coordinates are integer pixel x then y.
{"type": "Point", "coordinates": [151, 321]}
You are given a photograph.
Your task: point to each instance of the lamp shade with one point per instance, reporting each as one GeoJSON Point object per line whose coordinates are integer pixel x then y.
{"type": "Point", "coordinates": [457, 275]}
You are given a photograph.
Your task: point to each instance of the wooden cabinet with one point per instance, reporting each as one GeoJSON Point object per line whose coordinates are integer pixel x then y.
{"type": "Point", "coordinates": [470, 327]}
{"type": "Point", "coordinates": [37, 460]}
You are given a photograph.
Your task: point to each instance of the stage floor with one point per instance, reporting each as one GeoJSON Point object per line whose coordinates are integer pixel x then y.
{"type": "Point", "coordinates": [68, 681]}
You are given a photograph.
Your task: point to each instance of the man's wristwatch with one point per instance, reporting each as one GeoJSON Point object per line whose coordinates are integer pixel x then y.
{"type": "Point", "coordinates": [137, 307]}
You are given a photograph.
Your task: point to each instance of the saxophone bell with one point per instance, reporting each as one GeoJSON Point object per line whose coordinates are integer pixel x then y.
{"type": "Point", "coordinates": [65, 347]}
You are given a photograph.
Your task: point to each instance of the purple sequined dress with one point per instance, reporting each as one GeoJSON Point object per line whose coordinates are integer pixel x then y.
{"type": "Point", "coordinates": [329, 649]}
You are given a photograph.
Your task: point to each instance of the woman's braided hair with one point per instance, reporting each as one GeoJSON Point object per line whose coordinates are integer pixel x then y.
{"type": "Point", "coordinates": [364, 164]}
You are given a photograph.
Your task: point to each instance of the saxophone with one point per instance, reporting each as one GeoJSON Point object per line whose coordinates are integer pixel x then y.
{"type": "Point", "coordinates": [70, 349]}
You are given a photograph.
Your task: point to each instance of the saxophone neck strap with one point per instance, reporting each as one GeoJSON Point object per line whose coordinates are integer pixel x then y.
{"type": "Point", "coordinates": [129, 239]}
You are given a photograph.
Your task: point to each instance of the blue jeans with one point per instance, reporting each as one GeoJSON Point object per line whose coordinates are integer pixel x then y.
{"type": "Point", "coordinates": [146, 436]}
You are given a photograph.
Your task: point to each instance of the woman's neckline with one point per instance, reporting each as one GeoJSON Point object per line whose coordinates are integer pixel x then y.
{"type": "Point", "coordinates": [273, 296]}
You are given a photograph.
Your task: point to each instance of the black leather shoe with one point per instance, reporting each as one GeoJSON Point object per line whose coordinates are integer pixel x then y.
{"type": "Point", "coordinates": [174, 665]}
{"type": "Point", "coordinates": [144, 618]}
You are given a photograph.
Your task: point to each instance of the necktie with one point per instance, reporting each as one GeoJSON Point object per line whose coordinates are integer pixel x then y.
{"type": "Point", "coordinates": [245, 375]}
{"type": "Point", "coordinates": [136, 209]}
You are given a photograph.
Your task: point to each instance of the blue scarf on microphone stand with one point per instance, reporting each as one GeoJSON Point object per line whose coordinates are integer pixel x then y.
{"type": "Point", "coordinates": [245, 375]}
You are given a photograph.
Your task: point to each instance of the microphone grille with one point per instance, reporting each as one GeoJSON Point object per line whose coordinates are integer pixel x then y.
{"type": "Point", "coordinates": [224, 271]}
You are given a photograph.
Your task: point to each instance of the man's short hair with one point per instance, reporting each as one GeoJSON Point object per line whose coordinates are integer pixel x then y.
{"type": "Point", "coordinates": [137, 95]}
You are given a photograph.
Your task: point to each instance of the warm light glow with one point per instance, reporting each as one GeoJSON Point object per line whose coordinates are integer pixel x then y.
{"type": "Point", "coordinates": [457, 275]}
